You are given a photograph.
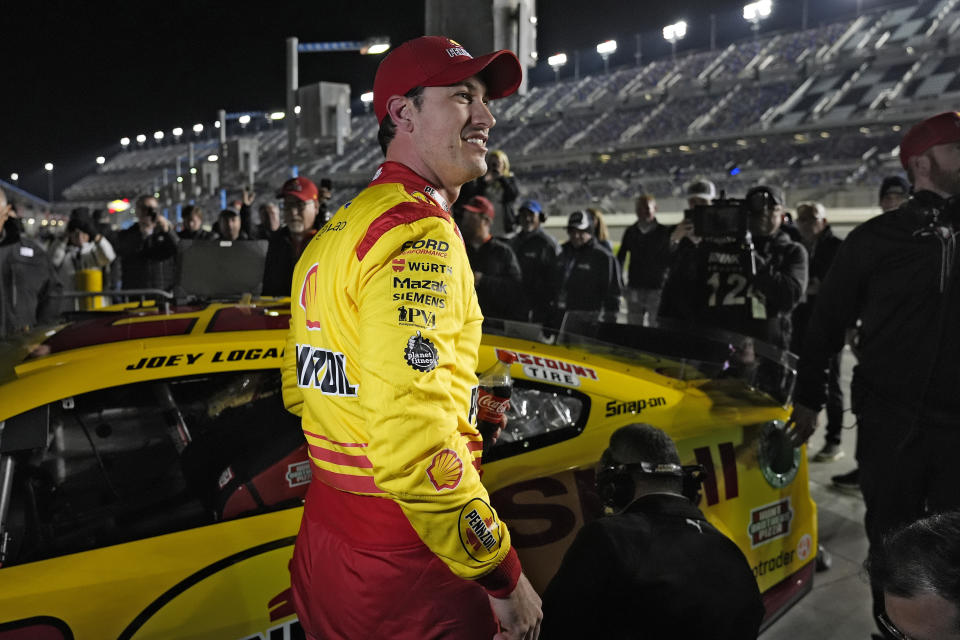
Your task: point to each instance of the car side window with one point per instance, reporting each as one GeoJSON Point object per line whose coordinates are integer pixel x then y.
{"type": "Point", "coordinates": [146, 459]}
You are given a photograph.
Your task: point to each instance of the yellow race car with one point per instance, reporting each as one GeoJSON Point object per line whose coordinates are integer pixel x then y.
{"type": "Point", "coordinates": [151, 482]}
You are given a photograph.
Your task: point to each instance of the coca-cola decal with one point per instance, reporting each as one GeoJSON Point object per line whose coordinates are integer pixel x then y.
{"type": "Point", "coordinates": [420, 353]}
{"type": "Point", "coordinates": [490, 407]}
{"type": "Point", "coordinates": [549, 369]}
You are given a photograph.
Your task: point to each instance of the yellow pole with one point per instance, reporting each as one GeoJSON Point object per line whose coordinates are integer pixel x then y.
{"type": "Point", "coordinates": [90, 280]}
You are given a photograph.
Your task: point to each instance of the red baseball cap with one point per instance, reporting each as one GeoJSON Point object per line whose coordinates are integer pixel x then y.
{"type": "Point", "coordinates": [479, 204]}
{"type": "Point", "coordinates": [940, 129]}
{"type": "Point", "coordinates": [435, 61]}
{"type": "Point", "coordinates": [302, 188]}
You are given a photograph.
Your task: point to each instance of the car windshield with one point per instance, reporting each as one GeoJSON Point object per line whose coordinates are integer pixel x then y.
{"type": "Point", "coordinates": [682, 351]}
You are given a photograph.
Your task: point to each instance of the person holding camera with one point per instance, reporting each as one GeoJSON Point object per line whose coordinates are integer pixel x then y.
{"type": "Point", "coordinates": [656, 568]}
{"type": "Point", "coordinates": [742, 272]}
{"type": "Point", "coordinates": [148, 249]}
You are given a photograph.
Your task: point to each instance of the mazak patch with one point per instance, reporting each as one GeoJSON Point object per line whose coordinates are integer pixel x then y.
{"type": "Point", "coordinates": [420, 353]}
{"type": "Point", "coordinates": [445, 470]}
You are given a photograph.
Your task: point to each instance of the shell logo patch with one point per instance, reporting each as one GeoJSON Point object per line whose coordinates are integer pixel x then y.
{"type": "Point", "coordinates": [310, 299]}
{"type": "Point", "coordinates": [445, 470]}
{"type": "Point", "coordinates": [479, 531]}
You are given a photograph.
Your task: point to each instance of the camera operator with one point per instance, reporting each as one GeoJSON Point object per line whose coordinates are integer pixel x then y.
{"type": "Point", "coordinates": [655, 568]}
{"type": "Point", "coordinates": [744, 275]}
{"type": "Point", "coordinates": [147, 250]}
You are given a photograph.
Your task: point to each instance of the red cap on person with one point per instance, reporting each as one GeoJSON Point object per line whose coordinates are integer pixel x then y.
{"type": "Point", "coordinates": [436, 61]}
{"type": "Point", "coordinates": [479, 204]}
{"type": "Point", "coordinates": [940, 129]}
{"type": "Point", "coordinates": [302, 188]}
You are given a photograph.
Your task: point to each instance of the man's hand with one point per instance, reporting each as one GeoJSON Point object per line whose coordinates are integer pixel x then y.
{"type": "Point", "coordinates": [683, 230]}
{"type": "Point", "coordinates": [163, 223]}
{"type": "Point", "coordinates": [249, 195]}
{"type": "Point", "coordinates": [802, 424]}
{"type": "Point", "coordinates": [520, 613]}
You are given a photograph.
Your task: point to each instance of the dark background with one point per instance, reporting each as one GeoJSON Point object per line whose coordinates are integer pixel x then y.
{"type": "Point", "coordinates": [78, 76]}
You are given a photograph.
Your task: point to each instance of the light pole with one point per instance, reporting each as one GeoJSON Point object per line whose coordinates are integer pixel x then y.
{"type": "Point", "coordinates": [49, 168]}
{"type": "Point", "coordinates": [755, 13]}
{"type": "Point", "coordinates": [606, 49]}
{"type": "Point", "coordinates": [673, 33]}
{"type": "Point", "coordinates": [371, 46]}
{"type": "Point", "coordinates": [556, 61]}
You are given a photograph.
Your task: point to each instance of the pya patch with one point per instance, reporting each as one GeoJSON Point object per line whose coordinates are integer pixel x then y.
{"type": "Point", "coordinates": [420, 353]}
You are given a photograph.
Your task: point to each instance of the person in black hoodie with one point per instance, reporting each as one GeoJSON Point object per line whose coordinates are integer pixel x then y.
{"type": "Point", "coordinates": [496, 272]}
{"type": "Point", "coordinates": [589, 276]}
{"type": "Point", "coordinates": [715, 285]}
{"type": "Point", "coordinates": [822, 247]}
{"type": "Point", "coordinates": [897, 274]}
{"type": "Point", "coordinates": [28, 283]}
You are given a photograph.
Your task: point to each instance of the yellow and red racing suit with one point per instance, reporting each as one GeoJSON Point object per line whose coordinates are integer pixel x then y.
{"type": "Point", "coordinates": [380, 365]}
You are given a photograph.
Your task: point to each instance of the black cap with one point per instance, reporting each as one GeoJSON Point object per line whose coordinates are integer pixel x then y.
{"type": "Point", "coordinates": [757, 195]}
{"type": "Point", "coordinates": [581, 220]}
{"type": "Point", "coordinates": [82, 222]}
{"type": "Point", "coordinates": [894, 184]}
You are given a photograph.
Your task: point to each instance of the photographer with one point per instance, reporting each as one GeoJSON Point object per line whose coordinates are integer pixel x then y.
{"type": "Point", "coordinates": [744, 273]}
{"type": "Point", "coordinates": [148, 249]}
{"type": "Point", "coordinates": [655, 568]}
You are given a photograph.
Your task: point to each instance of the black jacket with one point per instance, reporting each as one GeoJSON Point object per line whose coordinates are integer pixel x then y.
{"type": "Point", "coordinates": [282, 256]}
{"type": "Point", "coordinates": [589, 278]}
{"type": "Point", "coordinates": [821, 258]}
{"type": "Point", "coordinates": [147, 263]}
{"type": "Point", "coordinates": [499, 287]}
{"type": "Point", "coordinates": [712, 286]}
{"type": "Point", "coordinates": [28, 283]}
{"type": "Point", "coordinates": [537, 253]}
{"type": "Point", "coordinates": [649, 255]}
{"type": "Point", "coordinates": [897, 274]}
{"type": "Point", "coordinates": [656, 570]}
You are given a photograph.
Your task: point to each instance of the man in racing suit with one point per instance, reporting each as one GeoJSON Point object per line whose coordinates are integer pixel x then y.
{"type": "Point", "coordinates": [897, 274]}
{"type": "Point", "coordinates": [398, 538]}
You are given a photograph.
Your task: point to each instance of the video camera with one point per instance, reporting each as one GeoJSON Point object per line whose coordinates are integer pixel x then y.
{"type": "Point", "coordinates": [725, 223]}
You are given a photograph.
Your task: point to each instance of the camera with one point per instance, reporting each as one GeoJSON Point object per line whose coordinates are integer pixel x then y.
{"type": "Point", "coordinates": [152, 213]}
{"type": "Point", "coordinates": [724, 229]}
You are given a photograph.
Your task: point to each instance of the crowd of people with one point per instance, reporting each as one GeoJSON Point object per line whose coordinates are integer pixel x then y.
{"type": "Point", "coordinates": [742, 265]}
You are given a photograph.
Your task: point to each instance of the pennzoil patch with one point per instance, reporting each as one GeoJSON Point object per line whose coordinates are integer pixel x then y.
{"type": "Point", "coordinates": [420, 353]}
{"type": "Point", "coordinates": [479, 531]}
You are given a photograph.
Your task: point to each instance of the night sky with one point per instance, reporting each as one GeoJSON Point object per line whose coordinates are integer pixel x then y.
{"type": "Point", "coordinates": [81, 75]}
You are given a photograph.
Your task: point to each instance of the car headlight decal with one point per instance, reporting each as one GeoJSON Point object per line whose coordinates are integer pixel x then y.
{"type": "Point", "coordinates": [779, 459]}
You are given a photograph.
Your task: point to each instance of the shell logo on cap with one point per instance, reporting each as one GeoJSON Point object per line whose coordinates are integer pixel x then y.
{"type": "Point", "coordinates": [445, 470]}
{"type": "Point", "coordinates": [310, 299]}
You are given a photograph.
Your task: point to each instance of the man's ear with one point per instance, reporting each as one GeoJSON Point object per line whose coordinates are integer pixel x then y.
{"type": "Point", "coordinates": [398, 108]}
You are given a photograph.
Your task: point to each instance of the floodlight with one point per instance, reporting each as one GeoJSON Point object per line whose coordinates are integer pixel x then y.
{"type": "Point", "coordinates": [101, 159]}
{"type": "Point", "coordinates": [278, 115]}
{"type": "Point", "coordinates": [216, 124]}
{"type": "Point", "coordinates": [198, 128]}
{"type": "Point", "coordinates": [141, 138]}
{"type": "Point", "coordinates": [557, 60]}
{"type": "Point", "coordinates": [296, 109]}
{"type": "Point", "coordinates": [367, 97]}
{"type": "Point", "coordinates": [124, 142]}
{"type": "Point", "coordinates": [14, 177]}
{"type": "Point", "coordinates": [158, 135]}
{"type": "Point", "coordinates": [177, 131]}
{"type": "Point", "coordinates": [244, 119]}
{"type": "Point", "coordinates": [375, 46]}
{"type": "Point", "coordinates": [674, 32]}
{"type": "Point", "coordinates": [193, 171]}
{"type": "Point", "coordinates": [606, 48]}
{"type": "Point", "coordinates": [212, 157]}
{"type": "Point", "coordinates": [48, 166]}
{"type": "Point", "coordinates": [757, 10]}
{"type": "Point", "coordinates": [179, 178]}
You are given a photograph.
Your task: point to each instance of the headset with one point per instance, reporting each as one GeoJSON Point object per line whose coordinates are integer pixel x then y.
{"type": "Point", "coordinates": [616, 485]}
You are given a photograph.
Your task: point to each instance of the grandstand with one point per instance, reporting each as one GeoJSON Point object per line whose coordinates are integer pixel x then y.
{"type": "Point", "coordinates": [818, 111]}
